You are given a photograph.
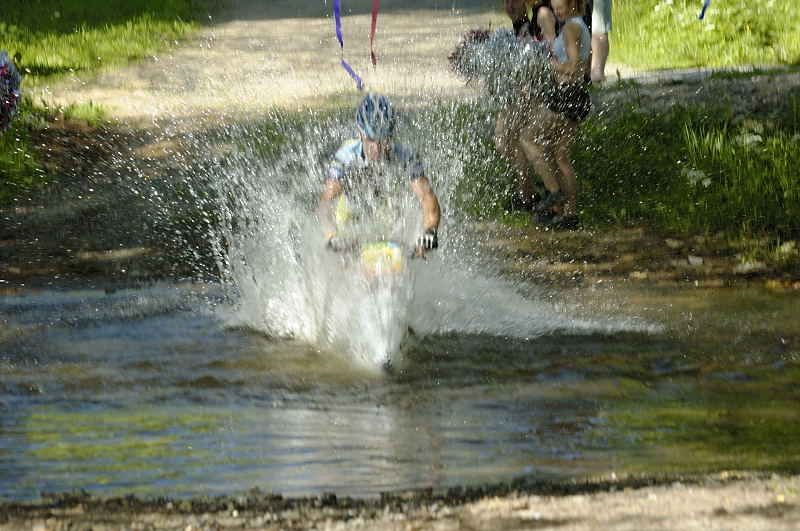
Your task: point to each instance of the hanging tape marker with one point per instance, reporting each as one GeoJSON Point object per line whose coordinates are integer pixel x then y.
{"type": "Point", "coordinates": [337, 8]}
{"type": "Point", "coordinates": [376, 4]}
{"type": "Point", "coordinates": [352, 73]}
{"type": "Point", "coordinates": [703, 12]}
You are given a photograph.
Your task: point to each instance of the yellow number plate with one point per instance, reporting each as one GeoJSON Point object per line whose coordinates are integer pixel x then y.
{"type": "Point", "coordinates": [381, 258]}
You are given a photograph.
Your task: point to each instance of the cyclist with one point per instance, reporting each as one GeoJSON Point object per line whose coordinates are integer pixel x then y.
{"type": "Point", "coordinates": [365, 170]}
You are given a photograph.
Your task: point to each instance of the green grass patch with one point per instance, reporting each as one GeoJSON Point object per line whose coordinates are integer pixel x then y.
{"type": "Point", "coordinates": [59, 36]}
{"type": "Point", "coordinates": [55, 37]}
{"type": "Point", "coordinates": [654, 34]}
{"type": "Point", "coordinates": [20, 170]}
{"type": "Point", "coordinates": [90, 113]}
{"type": "Point", "coordinates": [19, 167]}
{"type": "Point", "coordinates": [693, 171]}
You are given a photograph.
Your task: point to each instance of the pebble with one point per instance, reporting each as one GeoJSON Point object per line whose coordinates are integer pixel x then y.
{"type": "Point", "coordinates": [695, 260]}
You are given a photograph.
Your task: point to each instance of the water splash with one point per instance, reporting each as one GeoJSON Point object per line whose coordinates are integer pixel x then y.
{"type": "Point", "coordinates": [270, 251]}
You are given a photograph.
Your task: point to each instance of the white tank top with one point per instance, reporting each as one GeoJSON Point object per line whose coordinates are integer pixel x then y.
{"type": "Point", "coordinates": [560, 50]}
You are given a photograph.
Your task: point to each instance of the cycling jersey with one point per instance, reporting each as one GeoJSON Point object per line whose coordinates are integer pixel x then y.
{"type": "Point", "coordinates": [376, 201]}
{"type": "Point", "coordinates": [350, 160]}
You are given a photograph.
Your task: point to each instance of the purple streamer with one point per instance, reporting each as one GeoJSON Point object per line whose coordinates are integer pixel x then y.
{"type": "Point", "coordinates": [702, 13]}
{"type": "Point", "coordinates": [353, 75]}
{"type": "Point", "coordinates": [337, 15]}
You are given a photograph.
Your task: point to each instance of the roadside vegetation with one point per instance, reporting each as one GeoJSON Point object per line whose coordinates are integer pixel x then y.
{"type": "Point", "coordinates": [652, 34]}
{"type": "Point", "coordinates": [688, 171]}
{"type": "Point", "coordinates": [19, 167]}
{"type": "Point", "coordinates": [53, 38]}
{"type": "Point", "coordinates": [695, 171]}
{"type": "Point", "coordinates": [20, 170]}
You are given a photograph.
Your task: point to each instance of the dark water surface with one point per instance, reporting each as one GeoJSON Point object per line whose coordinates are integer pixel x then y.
{"type": "Point", "coordinates": [145, 392]}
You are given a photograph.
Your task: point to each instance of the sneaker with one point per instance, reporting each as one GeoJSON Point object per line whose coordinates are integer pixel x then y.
{"type": "Point", "coordinates": [550, 200]}
{"type": "Point", "coordinates": [543, 218]}
{"type": "Point", "coordinates": [524, 204]}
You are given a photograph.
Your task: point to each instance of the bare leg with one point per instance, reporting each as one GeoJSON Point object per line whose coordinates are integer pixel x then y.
{"type": "Point", "coordinates": [507, 144]}
{"type": "Point", "coordinates": [566, 175]}
{"type": "Point", "coordinates": [600, 48]}
{"type": "Point", "coordinates": [537, 141]}
{"type": "Point", "coordinates": [541, 156]}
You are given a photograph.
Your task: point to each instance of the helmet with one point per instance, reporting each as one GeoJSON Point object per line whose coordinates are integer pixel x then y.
{"type": "Point", "coordinates": [375, 117]}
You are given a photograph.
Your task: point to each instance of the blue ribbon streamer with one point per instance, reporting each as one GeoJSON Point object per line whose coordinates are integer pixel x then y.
{"type": "Point", "coordinates": [350, 71]}
{"type": "Point", "coordinates": [337, 15]}
{"type": "Point", "coordinates": [703, 12]}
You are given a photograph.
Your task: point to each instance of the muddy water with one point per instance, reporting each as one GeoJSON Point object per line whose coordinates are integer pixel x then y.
{"type": "Point", "coordinates": [150, 392]}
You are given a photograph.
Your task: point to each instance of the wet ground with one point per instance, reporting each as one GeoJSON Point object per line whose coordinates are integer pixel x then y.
{"type": "Point", "coordinates": [148, 408]}
{"type": "Point", "coordinates": [712, 501]}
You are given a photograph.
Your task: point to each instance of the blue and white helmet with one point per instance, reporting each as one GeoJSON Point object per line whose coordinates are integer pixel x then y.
{"type": "Point", "coordinates": [375, 117]}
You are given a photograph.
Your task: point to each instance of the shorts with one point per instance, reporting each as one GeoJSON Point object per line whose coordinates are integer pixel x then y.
{"type": "Point", "coordinates": [601, 17]}
{"type": "Point", "coordinates": [570, 99]}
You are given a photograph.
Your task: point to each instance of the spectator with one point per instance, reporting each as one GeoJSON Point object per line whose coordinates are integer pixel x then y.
{"type": "Point", "coordinates": [9, 90]}
{"type": "Point", "coordinates": [600, 28]}
{"type": "Point", "coordinates": [541, 27]}
{"type": "Point", "coordinates": [551, 134]}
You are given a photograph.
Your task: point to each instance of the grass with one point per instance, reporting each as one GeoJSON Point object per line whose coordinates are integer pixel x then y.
{"type": "Point", "coordinates": [687, 171]}
{"type": "Point", "coordinates": [19, 168]}
{"type": "Point", "coordinates": [693, 171]}
{"type": "Point", "coordinates": [51, 38]}
{"type": "Point", "coordinates": [653, 34]}
{"type": "Point", "coordinates": [59, 36]}
{"type": "Point", "coordinates": [90, 113]}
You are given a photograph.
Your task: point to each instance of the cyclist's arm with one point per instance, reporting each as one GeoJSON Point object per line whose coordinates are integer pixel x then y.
{"type": "Point", "coordinates": [427, 198]}
{"type": "Point", "coordinates": [325, 210]}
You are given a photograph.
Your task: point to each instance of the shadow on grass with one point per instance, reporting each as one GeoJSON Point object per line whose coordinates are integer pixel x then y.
{"type": "Point", "coordinates": [60, 17]}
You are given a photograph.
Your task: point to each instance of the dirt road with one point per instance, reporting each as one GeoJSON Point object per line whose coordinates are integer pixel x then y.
{"type": "Point", "coordinates": [261, 54]}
